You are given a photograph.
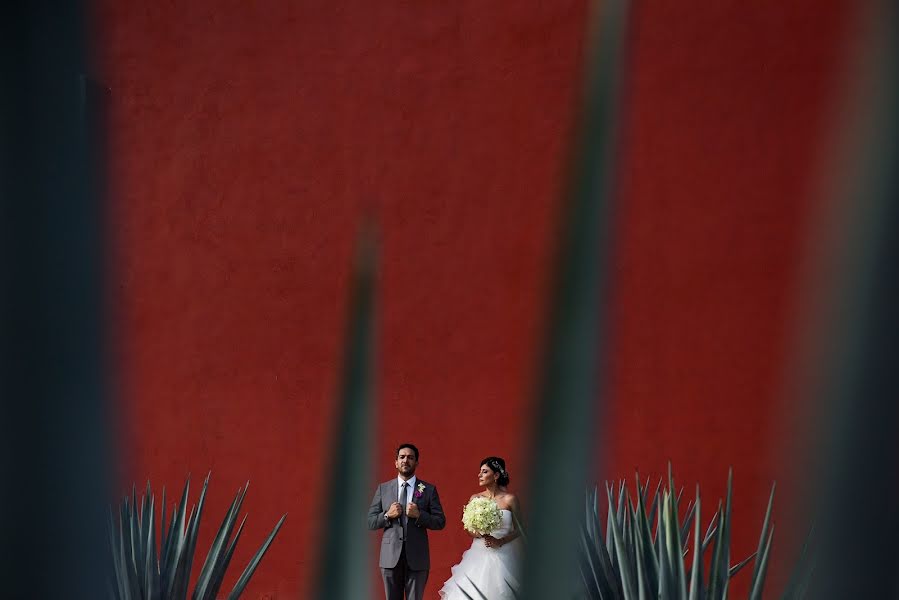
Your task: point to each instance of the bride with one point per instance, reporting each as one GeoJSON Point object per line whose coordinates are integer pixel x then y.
{"type": "Point", "coordinates": [492, 563]}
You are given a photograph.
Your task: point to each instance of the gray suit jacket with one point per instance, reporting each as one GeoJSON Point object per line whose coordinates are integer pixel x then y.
{"type": "Point", "coordinates": [418, 555]}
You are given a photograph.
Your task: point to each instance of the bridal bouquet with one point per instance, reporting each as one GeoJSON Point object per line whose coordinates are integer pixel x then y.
{"type": "Point", "coordinates": [481, 515]}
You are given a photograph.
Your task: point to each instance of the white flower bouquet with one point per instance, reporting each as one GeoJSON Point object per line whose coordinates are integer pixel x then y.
{"type": "Point", "coordinates": [481, 516]}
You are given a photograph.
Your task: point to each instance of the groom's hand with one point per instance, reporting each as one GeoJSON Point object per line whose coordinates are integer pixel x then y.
{"type": "Point", "coordinates": [396, 509]}
{"type": "Point", "coordinates": [413, 511]}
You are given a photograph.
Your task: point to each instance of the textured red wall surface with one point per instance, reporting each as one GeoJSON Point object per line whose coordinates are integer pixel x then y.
{"type": "Point", "coordinates": [249, 139]}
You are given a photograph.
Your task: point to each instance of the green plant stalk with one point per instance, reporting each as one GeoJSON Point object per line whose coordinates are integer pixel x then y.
{"type": "Point", "coordinates": [343, 570]}
{"type": "Point", "coordinates": [567, 391]}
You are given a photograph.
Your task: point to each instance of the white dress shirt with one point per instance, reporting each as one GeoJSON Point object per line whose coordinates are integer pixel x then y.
{"type": "Point", "coordinates": [409, 491]}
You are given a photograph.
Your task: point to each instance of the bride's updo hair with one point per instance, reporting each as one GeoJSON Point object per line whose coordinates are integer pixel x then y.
{"type": "Point", "coordinates": [497, 465]}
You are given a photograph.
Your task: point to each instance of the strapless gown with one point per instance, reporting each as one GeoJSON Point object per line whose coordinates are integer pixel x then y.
{"type": "Point", "coordinates": [492, 570]}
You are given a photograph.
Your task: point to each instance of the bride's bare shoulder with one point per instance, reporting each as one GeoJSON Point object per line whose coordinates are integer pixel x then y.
{"type": "Point", "coordinates": [509, 501]}
{"type": "Point", "coordinates": [478, 495]}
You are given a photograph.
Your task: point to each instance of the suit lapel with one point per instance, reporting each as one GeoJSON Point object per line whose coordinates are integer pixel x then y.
{"type": "Point", "coordinates": [390, 492]}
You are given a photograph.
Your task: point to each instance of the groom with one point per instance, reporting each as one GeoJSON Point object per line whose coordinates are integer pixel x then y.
{"type": "Point", "coordinates": [405, 508]}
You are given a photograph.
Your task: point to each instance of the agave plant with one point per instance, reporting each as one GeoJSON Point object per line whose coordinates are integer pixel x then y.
{"type": "Point", "coordinates": [646, 544]}
{"type": "Point", "coordinates": [147, 570]}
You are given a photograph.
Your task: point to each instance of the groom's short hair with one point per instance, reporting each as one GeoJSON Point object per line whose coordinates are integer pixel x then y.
{"type": "Point", "coordinates": [409, 446]}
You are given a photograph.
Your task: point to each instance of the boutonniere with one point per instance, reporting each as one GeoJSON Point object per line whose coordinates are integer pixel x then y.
{"type": "Point", "coordinates": [420, 491]}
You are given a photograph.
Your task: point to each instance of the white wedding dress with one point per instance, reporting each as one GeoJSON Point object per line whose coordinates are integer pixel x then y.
{"type": "Point", "coordinates": [492, 570]}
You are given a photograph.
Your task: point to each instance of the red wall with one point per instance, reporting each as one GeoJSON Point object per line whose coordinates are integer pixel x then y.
{"type": "Point", "coordinates": [248, 140]}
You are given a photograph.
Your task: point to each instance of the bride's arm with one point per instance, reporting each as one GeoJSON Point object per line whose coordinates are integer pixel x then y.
{"type": "Point", "coordinates": [516, 519]}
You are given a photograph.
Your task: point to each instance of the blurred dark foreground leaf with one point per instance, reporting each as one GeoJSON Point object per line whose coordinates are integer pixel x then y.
{"type": "Point", "coordinates": [567, 395]}
{"type": "Point", "coordinates": [854, 372]}
{"type": "Point", "coordinates": [344, 564]}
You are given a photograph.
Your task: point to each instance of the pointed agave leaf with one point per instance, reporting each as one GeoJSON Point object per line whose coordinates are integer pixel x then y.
{"type": "Point", "coordinates": [111, 536]}
{"type": "Point", "coordinates": [764, 534]}
{"type": "Point", "coordinates": [641, 562]}
{"type": "Point", "coordinates": [632, 534]}
{"type": "Point", "coordinates": [134, 537]}
{"type": "Point", "coordinates": [725, 580]}
{"type": "Point", "coordinates": [802, 571]}
{"type": "Point", "coordinates": [710, 537]}
{"type": "Point", "coordinates": [164, 575]}
{"type": "Point", "coordinates": [589, 567]}
{"type": "Point", "coordinates": [127, 551]}
{"type": "Point", "coordinates": [758, 581]}
{"type": "Point", "coordinates": [644, 533]}
{"type": "Point", "coordinates": [739, 566]}
{"type": "Point", "coordinates": [129, 579]}
{"type": "Point", "coordinates": [150, 567]}
{"type": "Point", "coordinates": [126, 557]}
{"type": "Point", "coordinates": [162, 532]}
{"type": "Point", "coordinates": [175, 543]}
{"type": "Point", "coordinates": [598, 568]}
{"type": "Point", "coordinates": [803, 589]}
{"type": "Point", "coordinates": [218, 575]}
{"type": "Point", "coordinates": [219, 546]}
{"type": "Point", "coordinates": [145, 519]}
{"type": "Point", "coordinates": [857, 397]}
{"type": "Point", "coordinates": [179, 585]}
{"type": "Point", "coordinates": [675, 556]}
{"type": "Point", "coordinates": [653, 509]}
{"type": "Point", "coordinates": [628, 585]}
{"type": "Point", "coordinates": [193, 534]}
{"type": "Point", "coordinates": [715, 567]}
{"type": "Point", "coordinates": [696, 571]}
{"type": "Point", "coordinates": [718, 579]}
{"type": "Point", "coordinates": [601, 561]}
{"type": "Point", "coordinates": [341, 553]}
{"type": "Point", "coordinates": [627, 534]}
{"type": "Point", "coordinates": [145, 509]}
{"type": "Point", "coordinates": [254, 562]}
{"type": "Point", "coordinates": [610, 514]}
{"type": "Point", "coordinates": [164, 553]}
{"type": "Point", "coordinates": [619, 511]}
{"type": "Point", "coordinates": [664, 583]}
{"type": "Point", "coordinates": [660, 532]}
{"type": "Point", "coordinates": [686, 528]}
{"type": "Point", "coordinates": [567, 398]}
{"type": "Point", "coordinates": [589, 511]}
{"type": "Point", "coordinates": [118, 563]}
{"type": "Point", "coordinates": [569, 381]}
{"type": "Point", "coordinates": [629, 531]}
{"type": "Point", "coordinates": [712, 530]}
